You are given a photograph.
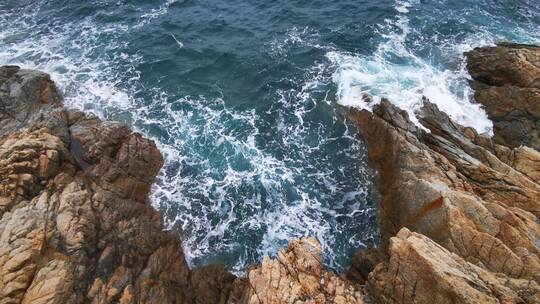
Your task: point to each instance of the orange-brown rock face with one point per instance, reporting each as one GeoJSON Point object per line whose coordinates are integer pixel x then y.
{"type": "Point", "coordinates": [421, 271]}
{"type": "Point", "coordinates": [473, 204]}
{"type": "Point", "coordinates": [507, 83]}
{"type": "Point", "coordinates": [75, 222]}
{"type": "Point", "coordinates": [297, 276]}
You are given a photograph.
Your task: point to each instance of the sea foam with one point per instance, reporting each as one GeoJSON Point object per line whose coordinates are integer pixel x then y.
{"type": "Point", "coordinates": [395, 72]}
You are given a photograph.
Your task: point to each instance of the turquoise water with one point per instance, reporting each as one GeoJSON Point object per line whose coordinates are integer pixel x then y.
{"type": "Point", "coordinates": [245, 99]}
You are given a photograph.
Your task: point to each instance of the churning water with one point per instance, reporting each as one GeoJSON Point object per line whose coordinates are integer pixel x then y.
{"type": "Point", "coordinates": [241, 97]}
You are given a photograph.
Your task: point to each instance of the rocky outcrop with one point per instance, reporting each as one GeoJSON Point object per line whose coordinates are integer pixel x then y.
{"type": "Point", "coordinates": [297, 276]}
{"type": "Point", "coordinates": [76, 225]}
{"type": "Point", "coordinates": [75, 221]}
{"type": "Point", "coordinates": [507, 82]}
{"type": "Point", "coordinates": [473, 203]}
{"type": "Point", "coordinates": [421, 271]}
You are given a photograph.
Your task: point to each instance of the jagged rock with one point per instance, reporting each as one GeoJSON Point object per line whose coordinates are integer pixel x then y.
{"type": "Point", "coordinates": [75, 221]}
{"type": "Point", "coordinates": [451, 186]}
{"type": "Point", "coordinates": [421, 271]}
{"type": "Point", "coordinates": [297, 276]}
{"type": "Point", "coordinates": [507, 83]}
{"type": "Point", "coordinates": [477, 199]}
{"type": "Point", "coordinates": [76, 225]}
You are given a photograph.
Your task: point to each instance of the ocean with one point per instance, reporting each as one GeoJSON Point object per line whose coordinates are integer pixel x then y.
{"type": "Point", "coordinates": [247, 100]}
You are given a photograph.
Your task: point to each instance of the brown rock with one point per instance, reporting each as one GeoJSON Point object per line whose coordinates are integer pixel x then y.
{"type": "Point", "coordinates": [363, 263]}
{"type": "Point", "coordinates": [297, 276]}
{"type": "Point", "coordinates": [421, 271]}
{"type": "Point", "coordinates": [507, 63]}
{"type": "Point", "coordinates": [214, 284]}
{"type": "Point", "coordinates": [473, 203]}
{"type": "Point", "coordinates": [527, 161]}
{"type": "Point", "coordinates": [75, 221]}
{"type": "Point", "coordinates": [507, 83]}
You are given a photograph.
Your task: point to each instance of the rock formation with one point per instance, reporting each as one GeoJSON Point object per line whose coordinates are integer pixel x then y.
{"type": "Point", "coordinates": [76, 225]}
{"type": "Point", "coordinates": [459, 211]}
{"type": "Point", "coordinates": [472, 202]}
{"type": "Point", "coordinates": [75, 222]}
{"type": "Point", "coordinates": [297, 276]}
{"type": "Point", "coordinates": [507, 83]}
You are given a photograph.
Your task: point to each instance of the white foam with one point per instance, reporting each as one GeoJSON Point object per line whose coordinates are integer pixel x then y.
{"type": "Point", "coordinates": [396, 73]}
{"type": "Point", "coordinates": [156, 12]}
{"type": "Point", "coordinates": [180, 44]}
{"type": "Point", "coordinates": [296, 37]}
{"type": "Point", "coordinates": [277, 216]}
{"type": "Point", "coordinates": [203, 204]}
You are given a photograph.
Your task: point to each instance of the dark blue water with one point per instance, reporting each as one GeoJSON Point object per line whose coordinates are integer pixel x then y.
{"type": "Point", "coordinates": [243, 98]}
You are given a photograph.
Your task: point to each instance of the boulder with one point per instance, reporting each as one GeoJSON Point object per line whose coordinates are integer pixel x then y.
{"type": "Point", "coordinates": [297, 276]}
{"type": "Point", "coordinates": [506, 80]}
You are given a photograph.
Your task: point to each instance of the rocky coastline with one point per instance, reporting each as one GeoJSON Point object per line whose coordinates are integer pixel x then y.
{"type": "Point", "coordinates": [459, 211]}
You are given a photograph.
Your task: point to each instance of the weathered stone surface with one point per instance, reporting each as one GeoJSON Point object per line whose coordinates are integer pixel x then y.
{"type": "Point", "coordinates": [473, 203]}
{"type": "Point", "coordinates": [297, 276]}
{"type": "Point", "coordinates": [507, 83]}
{"type": "Point", "coordinates": [75, 222]}
{"type": "Point", "coordinates": [421, 271]}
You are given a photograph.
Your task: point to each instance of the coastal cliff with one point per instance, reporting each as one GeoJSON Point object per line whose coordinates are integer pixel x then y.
{"type": "Point", "coordinates": [76, 224]}
{"type": "Point", "coordinates": [459, 211]}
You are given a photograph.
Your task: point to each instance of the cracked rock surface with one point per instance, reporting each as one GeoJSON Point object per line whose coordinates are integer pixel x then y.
{"type": "Point", "coordinates": [297, 276]}
{"type": "Point", "coordinates": [76, 225]}
{"type": "Point", "coordinates": [506, 80]}
{"type": "Point", "coordinates": [472, 202]}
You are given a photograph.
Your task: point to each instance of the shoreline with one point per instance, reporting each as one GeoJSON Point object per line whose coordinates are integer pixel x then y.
{"type": "Point", "coordinates": [459, 211]}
